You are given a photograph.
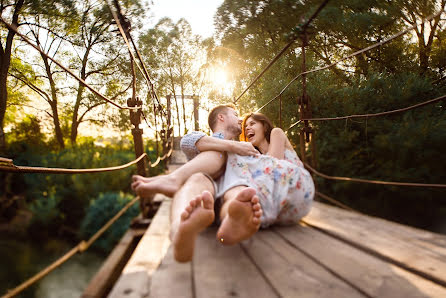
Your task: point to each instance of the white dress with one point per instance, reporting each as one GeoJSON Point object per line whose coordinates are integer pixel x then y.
{"type": "Point", "coordinates": [284, 187]}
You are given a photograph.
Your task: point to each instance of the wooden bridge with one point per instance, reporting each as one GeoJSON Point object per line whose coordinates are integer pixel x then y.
{"type": "Point", "coordinates": [331, 253]}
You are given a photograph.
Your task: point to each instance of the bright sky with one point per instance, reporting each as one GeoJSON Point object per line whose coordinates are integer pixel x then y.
{"type": "Point", "coordinates": [199, 13]}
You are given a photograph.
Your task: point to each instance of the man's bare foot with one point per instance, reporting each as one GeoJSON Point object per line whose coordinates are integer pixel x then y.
{"type": "Point", "coordinates": [197, 216]}
{"type": "Point", "coordinates": [242, 219]}
{"type": "Point", "coordinates": [148, 186]}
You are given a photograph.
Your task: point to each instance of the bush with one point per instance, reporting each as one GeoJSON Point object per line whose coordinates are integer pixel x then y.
{"type": "Point", "coordinates": [101, 209]}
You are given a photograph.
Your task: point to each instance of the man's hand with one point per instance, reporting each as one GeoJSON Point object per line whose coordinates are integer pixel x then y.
{"type": "Point", "coordinates": [244, 149]}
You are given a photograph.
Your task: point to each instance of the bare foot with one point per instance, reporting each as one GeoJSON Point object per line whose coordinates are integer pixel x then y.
{"type": "Point", "coordinates": [195, 218]}
{"type": "Point", "coordinates": [148, 186]}
{"type": "Point", "coordinates": [242, 219]}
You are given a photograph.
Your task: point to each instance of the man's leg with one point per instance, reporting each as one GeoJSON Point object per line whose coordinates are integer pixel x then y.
{"type": "Point", "coordinates": [192, 211]}
{"type": "Point", "coordinates": [240, 215]}
{"type": "Point", "coordinates": [209, 162]}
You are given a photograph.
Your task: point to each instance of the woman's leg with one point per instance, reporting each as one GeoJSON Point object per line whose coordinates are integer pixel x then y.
{"type": "Point", "coordinates": [207, 162]}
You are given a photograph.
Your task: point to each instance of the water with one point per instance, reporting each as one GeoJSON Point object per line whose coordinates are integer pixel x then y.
{"type": "Point", "coordinates": [20, 260]}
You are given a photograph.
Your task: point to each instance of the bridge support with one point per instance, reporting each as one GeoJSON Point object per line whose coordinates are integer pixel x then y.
{"type": "Point", "coordinates": [135, 119]}
{"type": "Point", "coordinates": [305, 109]}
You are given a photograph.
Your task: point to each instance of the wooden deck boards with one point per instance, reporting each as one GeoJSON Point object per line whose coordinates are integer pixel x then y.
{"type": "Point", "coordinates": [332, 253]}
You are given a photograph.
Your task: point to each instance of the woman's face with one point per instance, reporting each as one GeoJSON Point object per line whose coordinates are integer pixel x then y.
{"type": "Point", "coordinates": [254, 131]}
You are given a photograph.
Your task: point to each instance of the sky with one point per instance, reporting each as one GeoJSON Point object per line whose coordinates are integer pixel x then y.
{"type": "Point", "coordinates": [199, 13]}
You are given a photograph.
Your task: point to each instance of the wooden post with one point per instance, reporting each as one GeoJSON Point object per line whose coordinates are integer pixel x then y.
{"type": "Point", "coordinates": [135, 119]}
{"type": "Point", "coordinates": [196, 116]}
{"type": "Point", "coordinates": [302, 144]}
{"type": "Point", "coordinates": [280, 111]}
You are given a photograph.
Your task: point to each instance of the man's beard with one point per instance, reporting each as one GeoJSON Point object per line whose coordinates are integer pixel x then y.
{"type": "Point", "coordinates": [235, 131]}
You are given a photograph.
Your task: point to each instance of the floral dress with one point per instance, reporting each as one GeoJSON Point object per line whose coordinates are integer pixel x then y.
{"type": "Point", "coordinates": [284, 187]}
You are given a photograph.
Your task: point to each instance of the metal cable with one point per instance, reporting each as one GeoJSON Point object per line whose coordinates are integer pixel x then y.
{"type": "Point", "coordinates": [8, 166]}
{"type": "Point", "coordinates": [94, 91]}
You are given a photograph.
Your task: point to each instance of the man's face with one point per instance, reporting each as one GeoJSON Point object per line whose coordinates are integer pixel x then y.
{"type": "Point", "coordinates": [233, 122]}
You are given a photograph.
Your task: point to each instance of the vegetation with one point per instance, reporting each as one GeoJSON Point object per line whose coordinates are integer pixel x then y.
{"type": "Point", "coordinates": [404, 147]}
{"type": "Point", "coordinates": [44, 112]}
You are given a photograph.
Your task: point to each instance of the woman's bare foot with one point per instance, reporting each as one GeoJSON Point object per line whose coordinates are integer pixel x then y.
{"type": "Point", "coordinates": [242, 219]}
{"type": "Point", "coordinates": [148, 186]}
{"type": "Point", "coordinates": [197, 216]}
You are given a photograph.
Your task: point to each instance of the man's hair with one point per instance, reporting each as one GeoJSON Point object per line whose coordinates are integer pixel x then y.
{"type": "Point", "coordinates": [220, 109]}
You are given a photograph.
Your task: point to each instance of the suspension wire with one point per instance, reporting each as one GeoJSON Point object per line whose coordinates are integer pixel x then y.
{"type": "Point", "coordinates": [126, 36]}
{"type": "Point", "coordinates": [81, 247]}
{"type": "Point", "coordinates": [373, 181]}
{"type": "Point", "coordinates": [353, 54]}
{"type": "Point", "coordinates": [304, 27]}
{"type": "Point", "coordinates": [94, 91]}
{"type": "Point", "coordinates": [337, 203]}
{"type": "Point", "coordinates": [373, 115]}
{"type": "Point", "coordinates": [7, 165]}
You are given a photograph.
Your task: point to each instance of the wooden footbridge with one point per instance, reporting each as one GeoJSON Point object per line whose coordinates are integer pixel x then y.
{"type": "Point", "coordinates": [331, 253]}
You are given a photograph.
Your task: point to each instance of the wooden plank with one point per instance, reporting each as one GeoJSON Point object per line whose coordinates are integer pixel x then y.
{"type": "Point", "coordinates": [109, 272]}
{"type": "Point", "coordinates": [172, 279]}
{"type": "Point", "coordinates": [373, 276]}
{"type": "Point", "coordinates": [135, 278]}
{"type": "Point", "coordinates": [222, 271]}
{"type": "Point", "coordinates": [421, 252]}
{"type": "Point", "coordinates": [292, 273]}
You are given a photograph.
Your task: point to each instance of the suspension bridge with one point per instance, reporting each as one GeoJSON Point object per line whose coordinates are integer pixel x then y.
{"type": "Point", "coordinates": [333, 251]}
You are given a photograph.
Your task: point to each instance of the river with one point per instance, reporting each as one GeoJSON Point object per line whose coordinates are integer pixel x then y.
{"type": "Point", "coordinates": [20, 260]}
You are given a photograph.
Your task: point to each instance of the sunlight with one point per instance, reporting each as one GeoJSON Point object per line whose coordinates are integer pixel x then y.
{"type": "Point", "coordinates": [219, 80]}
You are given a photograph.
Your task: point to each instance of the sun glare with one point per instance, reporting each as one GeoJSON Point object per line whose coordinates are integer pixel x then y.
{"type": "Point", "coordinates": [219, 80]}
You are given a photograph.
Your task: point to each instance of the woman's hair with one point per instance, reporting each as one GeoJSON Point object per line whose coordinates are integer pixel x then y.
{"type": "Point", "coordinates": [259, 117]}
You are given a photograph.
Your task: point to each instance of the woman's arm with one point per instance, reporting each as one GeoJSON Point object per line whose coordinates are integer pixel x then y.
{"type": "Point", "coordinates": [277, 143]}
{"type": "Point", "coordinates": [207, 143]}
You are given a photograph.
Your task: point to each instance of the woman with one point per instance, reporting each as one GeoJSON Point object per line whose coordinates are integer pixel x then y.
{"type": "Point", "coordinates": [283, 185]}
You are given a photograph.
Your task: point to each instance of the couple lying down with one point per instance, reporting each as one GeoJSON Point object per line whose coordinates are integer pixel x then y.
{"type": "Point", "coordinates": [257, 182]}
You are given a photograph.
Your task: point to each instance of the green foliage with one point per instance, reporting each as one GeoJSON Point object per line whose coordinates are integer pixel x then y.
{"type": "Point", "coordinates": [101, 209]}
{"type": "Point", "coordinates": [402, 147]}
{"type": "Point", "coordinates": [59, 201]}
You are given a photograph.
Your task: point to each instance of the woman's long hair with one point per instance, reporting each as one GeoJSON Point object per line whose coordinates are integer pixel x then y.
{"type": "Point", "coordinates": [267, 125]}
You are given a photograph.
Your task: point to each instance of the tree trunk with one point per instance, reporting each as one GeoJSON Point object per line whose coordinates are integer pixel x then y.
{"type": "Point", "coordinates": [53, 104]}
{"type": "Point", "coordinates": [5, 61]}
{"type": "Point", "coordinates": [75, 121]}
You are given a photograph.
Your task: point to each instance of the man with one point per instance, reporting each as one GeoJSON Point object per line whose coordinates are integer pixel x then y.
{"type": "Point", "coordinates": [194, 189]}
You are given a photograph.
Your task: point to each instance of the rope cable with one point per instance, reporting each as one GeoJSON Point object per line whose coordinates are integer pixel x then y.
{"type": "Point", "coordinates": [373, 181]}
{"type": "Point", "coordinates": [304, 27]}
{"type": "Point", "coordinates": [375, 114]}
{"type": "Point", "coordinates": [8, 166]}
{"type": "Point", "coordinates": [94, 91]}
{"type": "Point", "coordinates": [126, 36]}
{"type": "Point", "coordinates": [81, 247]}
{"type": "Point", "coordinates": [352, 55]}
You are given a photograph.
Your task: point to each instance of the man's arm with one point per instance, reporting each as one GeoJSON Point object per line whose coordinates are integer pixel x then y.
{"type": "Point", "coordinates": [214, 144]}
{"type": "Point", "coordinates": [195, 142]}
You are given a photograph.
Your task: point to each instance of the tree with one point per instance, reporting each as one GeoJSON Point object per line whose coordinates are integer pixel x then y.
{"type": "Point", "coordinates": [175, 55]}
{"type": "Point", "coordinates": [16, 12]}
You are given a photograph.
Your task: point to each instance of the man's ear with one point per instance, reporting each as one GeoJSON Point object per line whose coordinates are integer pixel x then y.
{"type": "Point", "coordinates": [220, 117]}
